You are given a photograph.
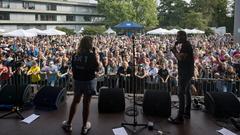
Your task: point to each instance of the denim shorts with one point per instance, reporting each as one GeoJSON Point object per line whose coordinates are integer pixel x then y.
{"type": "Point", "coordinates": [87, 88]}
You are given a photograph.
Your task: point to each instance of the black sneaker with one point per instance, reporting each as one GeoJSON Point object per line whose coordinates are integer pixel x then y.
{"type": "Point", "coordinates": [86, 129]}
{"type": "Point", "coordinates": [177, 120]}
{"type": "Point", "coordinates": [66, 127]}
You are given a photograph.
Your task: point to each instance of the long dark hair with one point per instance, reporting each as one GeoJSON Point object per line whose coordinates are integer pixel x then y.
{"type": "Point", "coordinates": [86, 45]}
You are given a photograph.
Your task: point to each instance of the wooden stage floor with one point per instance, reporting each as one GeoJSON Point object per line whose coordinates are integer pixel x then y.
{"type": "Point", "coordinates": [49, 123]}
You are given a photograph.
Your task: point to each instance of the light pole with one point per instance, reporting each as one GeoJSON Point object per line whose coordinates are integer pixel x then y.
{"type": "Point", "coordinates": [237, 21]}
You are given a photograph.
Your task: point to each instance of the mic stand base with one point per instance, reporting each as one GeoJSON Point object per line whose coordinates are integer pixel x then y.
{"type": "Point", "coordinates": [14, 110]}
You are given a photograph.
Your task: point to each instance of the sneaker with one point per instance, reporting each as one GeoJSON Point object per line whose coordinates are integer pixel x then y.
{"type": "Point", "coordinates": [86, 129]}
{"type": "Point", "coordinates": [66, 127]}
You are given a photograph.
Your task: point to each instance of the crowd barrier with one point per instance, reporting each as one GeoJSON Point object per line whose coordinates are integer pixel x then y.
{"type": "Point", "coordinates": [23, 79]}
{"type": "Point", "coordinates": [140, 85]}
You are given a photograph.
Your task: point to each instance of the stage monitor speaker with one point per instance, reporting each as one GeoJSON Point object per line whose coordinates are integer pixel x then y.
{"type": "Point", "coordinates": [12, 95]}
{"type": "Point", "coordinates": [157, 103]}
{"type": "Point", "coordinates": [50, 98]}
{"type": "Point", "coordinates": [222, 104]}
{"type": "Point", "coordinates": [111, 100]}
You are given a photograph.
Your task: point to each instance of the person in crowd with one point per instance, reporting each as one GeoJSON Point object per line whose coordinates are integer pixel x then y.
{"type": "Point", "coordinates": [185, 73]}
{"type": "Point", "coordinates": [34, 72]}
{"type": "Point", "coordinates": [164, 77]}
{"type": "Point", "coordinates": [52, 74]}
{"type": "Point", "coordinates": [124, 72]}
{"type": "Point", "coordinates": [85, 64]}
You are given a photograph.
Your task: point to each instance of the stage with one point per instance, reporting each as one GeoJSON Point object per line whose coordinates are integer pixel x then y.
{"type": "Point", "coordinates": [49, 123]}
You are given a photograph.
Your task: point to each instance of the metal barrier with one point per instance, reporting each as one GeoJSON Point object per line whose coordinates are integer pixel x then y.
{"type": "Point", "coordinates": [23, 79]}
{"type": "Point", "coordinates": [216, 85]}
{"type": "Point", "coordinates": [128, 83]}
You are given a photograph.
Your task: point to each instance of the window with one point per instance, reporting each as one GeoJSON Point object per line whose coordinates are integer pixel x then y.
{"type": "Point", "coordinates": [36, 17]}
{"type": "Point", "coordinates": [71, 18]}
{"type": "Point", "coordinates": [52, 7]}
{"type": "Point", "coordinates": [87, 18]}
{"type": "Point", "coordinates": [4, 16]}
{"type": "Point", "coordinates": [4, 4]}
{"type": "Point", "coordinates": [48, 17]}
{"type": "Point", "coordinates": [28, 5]}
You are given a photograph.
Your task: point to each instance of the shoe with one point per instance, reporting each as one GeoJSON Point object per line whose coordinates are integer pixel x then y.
{"type": "Point", "coordinates": [86, 129]}
{"type": "Point", "coordinates": [177, 120]}
{"type": "Point", "coordinates": [66, 127]}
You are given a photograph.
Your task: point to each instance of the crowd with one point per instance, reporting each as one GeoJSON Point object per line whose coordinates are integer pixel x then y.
{"type": "Point", "coordinates": [48, 59]}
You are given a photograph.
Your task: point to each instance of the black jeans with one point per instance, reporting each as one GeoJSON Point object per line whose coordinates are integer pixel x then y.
{"type": "Point", "coordinates": [184, 96]}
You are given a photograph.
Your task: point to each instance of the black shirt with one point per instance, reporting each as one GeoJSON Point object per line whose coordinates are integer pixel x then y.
{"type": "Point", "coordinates": [186, 65]}
{"type": "Point", "coordinates": [163, 73]}
{"type": "Point", "coordinates": [84, 66]}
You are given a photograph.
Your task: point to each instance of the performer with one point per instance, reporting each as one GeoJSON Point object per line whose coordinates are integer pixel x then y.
{"type": "Point", "coordinates": [185, 74]}
{"type": "Point", "coordinates": [85, 63]}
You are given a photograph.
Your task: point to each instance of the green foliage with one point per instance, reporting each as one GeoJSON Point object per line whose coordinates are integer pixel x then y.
{"type": "Point", "coordinates": [93, 30]}
{"type": "Point", "coordinates": [209, 31]}
{"type": "Point", "coordinates": [194, 20]}
{"type": "Point", "coordinates": [198, 14]}
{"type": "Point", "coordinates": [140, 11]}
{"type": "Point", "coordinates": [66, 30]}
{"type": "Point", "coordinates": [171, 12]}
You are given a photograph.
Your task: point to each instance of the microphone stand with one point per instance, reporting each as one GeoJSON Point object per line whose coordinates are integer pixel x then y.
{"type": "Point", "coordinates": [135, 123]}
{"type": "Point", "coordinates": [16, 108]}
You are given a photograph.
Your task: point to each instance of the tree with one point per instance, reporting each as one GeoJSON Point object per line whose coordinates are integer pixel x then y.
{"type": "Point", "coordinates": [66, 30]}
{"type": "Point", "coordinates": [194, 20]}
{"type": "Point", "coordinates": [93, 30]}
{"type": "Point", "coordinates": [140, 11]}
{"type": "Point", "coordinates": [171, 12]}
{"type": "Point", "coordinates": [215, 11]}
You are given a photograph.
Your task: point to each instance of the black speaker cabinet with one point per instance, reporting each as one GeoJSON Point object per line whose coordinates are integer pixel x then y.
{"type": "Point", "coordinates": [50, 98]}
{"type": "Point", "coordinates": [111, 100]}
{"type": "Point", "coordinates": [10, 95]}
{"type": "Point", "coordinates": [157, 103]}
{"type": "Point", "coordinates": [222, 104]}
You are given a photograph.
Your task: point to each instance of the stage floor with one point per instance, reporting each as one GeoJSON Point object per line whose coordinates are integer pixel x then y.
{"type": "Point", "coordinates": [49, 123]}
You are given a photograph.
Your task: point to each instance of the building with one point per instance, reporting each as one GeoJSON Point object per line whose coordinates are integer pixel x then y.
{"type": "Point", "coordinates": [45, 14]}
{"type": "Point", "coordinates": [236, 21]}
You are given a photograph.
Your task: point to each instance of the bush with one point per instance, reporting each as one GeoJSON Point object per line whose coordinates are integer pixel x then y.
{"type": "Point", "coordinates": [68, 31]}
{"type": "Point", "coordinates": [93, 30]}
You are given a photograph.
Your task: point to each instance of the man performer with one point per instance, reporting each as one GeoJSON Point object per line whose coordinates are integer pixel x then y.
{"type": "Point", "coordinates": [185, 73]}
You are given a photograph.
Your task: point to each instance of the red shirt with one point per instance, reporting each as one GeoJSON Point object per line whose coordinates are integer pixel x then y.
{"type": "Point", "coordinates": [5, 73]}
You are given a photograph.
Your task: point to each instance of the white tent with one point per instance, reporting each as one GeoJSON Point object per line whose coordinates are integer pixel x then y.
{"type": "Point", "coordinates": [2, 30]}
{"type": "Point", "coordinates": [198, 31]}
{"type": "Point", "coordinates": [36, 31]}
{"type": "Point", "coordinates": [52, 32]}
{"type": "Point", "coordinates": [188, 31]}
{"type": "Point", "coordinates": [159, 31]}
{"type": "Point", "coordinates": [81, 30]}
{"type": "Point", "coordinates": [110, 31]}
{"type": "Point", "coordinates": [193, 31]}
{"type": "Point", "coordinates": [19, 33]}
{"type": "Point", "coordinates": [173, 31]}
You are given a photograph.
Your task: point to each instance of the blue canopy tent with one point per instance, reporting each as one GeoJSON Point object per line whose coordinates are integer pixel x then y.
{"type": "Point", "coordinates": [127, 25]}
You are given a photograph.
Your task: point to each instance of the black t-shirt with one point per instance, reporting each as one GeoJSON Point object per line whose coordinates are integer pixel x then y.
{"type": "Point", "coordinates": [63, 69]}
{"type": "Point", "coordinates": [121, 70]}
{"type": "Point", "coordinates": [186, 66]}
{"type": "Point", "coordinates": [84, 66]}
{"type": "Point", "coordinates": [163, 73]}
